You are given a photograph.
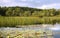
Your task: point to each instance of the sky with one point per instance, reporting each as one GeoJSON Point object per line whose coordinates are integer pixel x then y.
{"type": "Point", "coordinates": [40, 4]}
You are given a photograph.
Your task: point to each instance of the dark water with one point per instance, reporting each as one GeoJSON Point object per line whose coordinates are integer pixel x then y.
{"type": "Point", "coordinates": [57, 36]}
{"type": "Point", "coordinates": [55, 29]}
{"type": "Point", "coordinates": [57, 33]}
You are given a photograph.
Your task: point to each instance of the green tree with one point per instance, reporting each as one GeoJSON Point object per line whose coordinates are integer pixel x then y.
{"type": "Point", "coordinates": [9, 12]}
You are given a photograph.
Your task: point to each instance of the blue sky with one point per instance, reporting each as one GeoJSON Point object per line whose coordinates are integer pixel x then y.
{"type": "Point", "coordinates": [42, 4]}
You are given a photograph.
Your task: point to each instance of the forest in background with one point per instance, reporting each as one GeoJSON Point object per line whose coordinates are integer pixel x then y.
{"type": "Point", "coordinates": [17, 16]}
{"type": "Point", "coordinates": [26, 12]}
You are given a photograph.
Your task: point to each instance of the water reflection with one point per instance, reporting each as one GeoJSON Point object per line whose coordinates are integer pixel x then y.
{"type": "Point", "coordinates": [46, 27]}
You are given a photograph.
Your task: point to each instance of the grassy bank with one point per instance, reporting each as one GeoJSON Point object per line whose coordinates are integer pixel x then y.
{"type": "Point", "coordinates": [17, 21]}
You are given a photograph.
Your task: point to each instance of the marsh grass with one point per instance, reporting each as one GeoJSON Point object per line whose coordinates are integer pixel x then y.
{"type": "Point", "coordinates": [19, 21]}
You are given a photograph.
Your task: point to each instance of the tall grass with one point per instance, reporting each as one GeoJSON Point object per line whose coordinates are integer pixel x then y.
{"type": "Point", "coordinates": [18, 21]}
{"type": "Point", "coordinates": [14, 21]}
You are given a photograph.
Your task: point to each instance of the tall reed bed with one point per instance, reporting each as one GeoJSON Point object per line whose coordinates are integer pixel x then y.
{"type": "Point", "coordinates": [19, 21]}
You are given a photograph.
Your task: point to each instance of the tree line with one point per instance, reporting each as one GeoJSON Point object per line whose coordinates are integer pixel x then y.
{"type": "Point", "coordinates": [26, 11]}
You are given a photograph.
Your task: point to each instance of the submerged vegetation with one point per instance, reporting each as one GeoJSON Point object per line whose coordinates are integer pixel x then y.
{"type": "Point", "coordinates": [16, 16]}
{"type": "Point", "coordinates": [26, 34]}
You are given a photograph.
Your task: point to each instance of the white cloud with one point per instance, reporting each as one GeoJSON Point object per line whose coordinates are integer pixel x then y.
{"type": "Point", "coordinates": [5, 1]}
{"type": "Point", "coordinates": [49, 6]}
{"type": "Point", "coordinates": [23, 0]}
{"type": "Point", "coordinates": [30, 3]}
{"type": "Point", "coordinates": [13, 3]}
{"type": "Point", "coordinates": [26, 0]}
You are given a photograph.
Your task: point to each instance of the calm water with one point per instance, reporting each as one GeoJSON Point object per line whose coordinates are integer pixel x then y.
{"type": "Point", "coordinates": [55, 29]}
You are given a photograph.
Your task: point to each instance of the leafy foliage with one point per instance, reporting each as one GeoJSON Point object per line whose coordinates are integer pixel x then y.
{"type": "Point", "coordinates": [25, 11]}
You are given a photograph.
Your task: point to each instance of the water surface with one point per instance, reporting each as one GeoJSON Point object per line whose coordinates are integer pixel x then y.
{"type": "Point", "coordinates": [55, 28]}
